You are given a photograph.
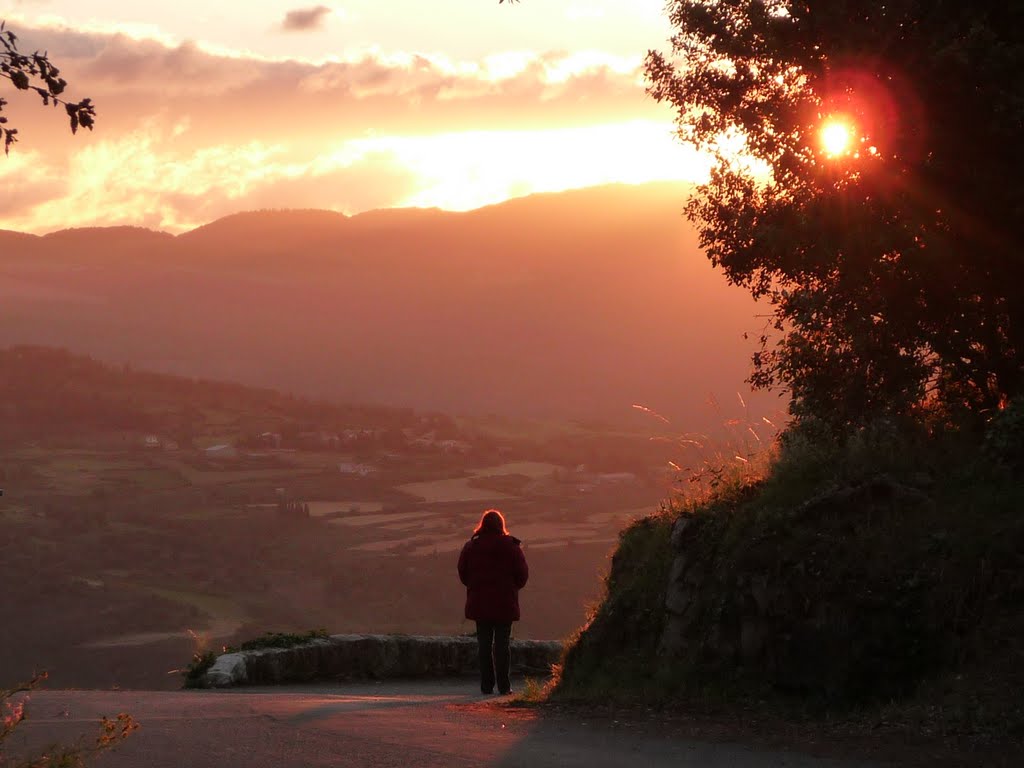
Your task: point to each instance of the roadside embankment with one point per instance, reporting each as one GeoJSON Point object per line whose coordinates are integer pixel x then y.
{"type": "Point", "coordinates": [877, 582]}
{"type": "Point", "coordinates": [347, 657]}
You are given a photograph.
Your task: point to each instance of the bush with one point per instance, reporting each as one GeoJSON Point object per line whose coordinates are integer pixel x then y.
{"type": "Point", "coordinates": [613, 652]}
{"type": "Point", "coordinates": [1004, 439]}
{"type": "Point", "coordinates": [861, 571]}
{"type": "Point", "coordinates": [281, 640]}
{"type": "Point", "coordinates": [199, 666]}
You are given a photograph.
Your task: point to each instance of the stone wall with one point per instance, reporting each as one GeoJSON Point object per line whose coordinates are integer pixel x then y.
{"type": "Point", "coordinates": [802, 601]}
{"type": "Point", "coordinates": [345, 657]}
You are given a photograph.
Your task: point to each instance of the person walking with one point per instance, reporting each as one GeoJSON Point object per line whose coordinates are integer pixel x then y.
{"type": "Point", "coordinates": [493, 568]}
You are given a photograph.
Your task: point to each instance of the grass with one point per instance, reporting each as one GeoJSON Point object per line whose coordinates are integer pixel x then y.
{"type": "Point", "coordinates": [612, 653]}
{"type": "Point", "coordinates": [535, 691]}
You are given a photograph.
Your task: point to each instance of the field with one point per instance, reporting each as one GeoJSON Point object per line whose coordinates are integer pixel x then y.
{"type": "Point", "coordinates": [130, 560]}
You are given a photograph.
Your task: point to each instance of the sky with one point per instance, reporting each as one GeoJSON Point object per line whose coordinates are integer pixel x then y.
{"type": "Point", "coordinates": [208, 108]}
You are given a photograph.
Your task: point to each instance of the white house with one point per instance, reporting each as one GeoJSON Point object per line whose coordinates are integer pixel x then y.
{"type": "Point", "coordinates": [352, 468]}
{"type": "Point", "coordinates": [221, 451]}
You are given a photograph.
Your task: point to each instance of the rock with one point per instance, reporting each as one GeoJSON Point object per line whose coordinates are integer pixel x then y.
{"type": "Point", "coordinates": [753, 634]}
{"type": "Point", "coordinates": [678, 531]}
{"type": "Point", "coordinates": [923, 480]}
{"type": "Point", "coordinates": [877, 493]}
{"type": "Point", "coordinates": [672, 642]}
{"type": "Point", "coordinates": [229, 669]}
{"type": "Point", "coordinates": [759, 594]}
{"type": "Point", "coordinates": [677, 596]}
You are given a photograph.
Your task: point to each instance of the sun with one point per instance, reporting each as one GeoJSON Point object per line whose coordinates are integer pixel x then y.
{"type": "Point", "coordinates": [836, 137]}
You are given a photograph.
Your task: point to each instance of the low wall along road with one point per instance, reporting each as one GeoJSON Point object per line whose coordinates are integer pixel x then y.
{"type": "Point", "coordinates": [348, 657]}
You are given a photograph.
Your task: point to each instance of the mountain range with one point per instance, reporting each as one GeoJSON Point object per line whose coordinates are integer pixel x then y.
{"type": "Point", "coordinates": [570, 305]}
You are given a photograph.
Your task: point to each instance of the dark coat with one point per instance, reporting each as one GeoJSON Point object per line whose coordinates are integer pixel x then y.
{"type": "Point", "coordinates": [493, 568]}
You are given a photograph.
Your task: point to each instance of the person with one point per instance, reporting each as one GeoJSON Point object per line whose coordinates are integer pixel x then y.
{"type": "Point", "coordinates": [493, 568]}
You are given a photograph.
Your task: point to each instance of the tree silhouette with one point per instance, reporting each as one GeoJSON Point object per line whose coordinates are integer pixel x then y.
{"type": "Point", "coordinates": [35, 72]}
{"type": "Point", "coordinates": [890, 263]}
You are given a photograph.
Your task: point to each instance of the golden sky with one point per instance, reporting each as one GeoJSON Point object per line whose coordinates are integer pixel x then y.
{"type": "Point", "coordinates": [208, 108]}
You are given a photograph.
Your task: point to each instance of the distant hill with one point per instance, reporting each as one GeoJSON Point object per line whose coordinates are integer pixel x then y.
{"type": "Point", "coordinates": [54, 395]}
{"type": "Point", "coordinates": [576, 304]}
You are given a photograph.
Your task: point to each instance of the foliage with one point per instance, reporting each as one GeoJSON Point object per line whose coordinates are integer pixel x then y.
{"type": "Point", "coordinates": [282, 639]}
{"type": "Point", "coordinates": [534, 691]}
{"type": "Point", "coordinates": [35, 72]}
{"type": "Point", "coordinates": [111, 733]}
{"type": "Point", "coordinates": [883, 569]}
{"type": "Point", "coordinates": [1004, 439]}
{"type": "Point", "coordinates": [199, 666]}
{"type": "Point", "coordinates": [611, 658]}
{"type": "Point", "coordinates": [887, 265]}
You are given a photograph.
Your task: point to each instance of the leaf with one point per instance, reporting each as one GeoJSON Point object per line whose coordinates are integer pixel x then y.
{"type": "Point", "coordinates": [9, 138]}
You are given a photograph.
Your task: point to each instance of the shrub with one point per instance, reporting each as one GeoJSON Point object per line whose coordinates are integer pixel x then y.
{"type": "Point", "coordinates": [282, 640]}
{"type": "Point", "coordinates": [199, 666]}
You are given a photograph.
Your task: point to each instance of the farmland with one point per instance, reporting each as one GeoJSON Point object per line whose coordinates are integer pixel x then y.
{"type": "Point", "coordinates": [131, 548]}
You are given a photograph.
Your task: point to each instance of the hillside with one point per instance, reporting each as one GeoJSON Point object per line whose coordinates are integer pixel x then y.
{"type": "Point", "coordinates": [866, 589]}
{"type": "Point", "coordinates": [577, 304]}
{"type": "Point", "coordinates": [53, 395]}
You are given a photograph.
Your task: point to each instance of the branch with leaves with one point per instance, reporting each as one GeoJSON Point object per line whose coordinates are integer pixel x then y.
{"type": "Point", "coordinates": [35, 72]}
{"type": "Point", "coordinates": [12, 713]}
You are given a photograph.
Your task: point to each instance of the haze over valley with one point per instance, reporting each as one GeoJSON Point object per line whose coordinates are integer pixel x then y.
{"type": "Point", "coordinates": [150, 516]}
{"type": "Point", "coordinates": [569, 305]}
{"type": "Point", "coordinates": [424, 365]}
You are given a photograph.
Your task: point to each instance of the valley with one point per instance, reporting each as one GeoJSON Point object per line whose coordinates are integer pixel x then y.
{"type": "Point", "coordinates": [129, 548]}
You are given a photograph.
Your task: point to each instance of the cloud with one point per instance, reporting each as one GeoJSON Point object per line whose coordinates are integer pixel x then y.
{"type": "Point", "coordinates": [27, 180]}
{"type": "Point", "coordinates": [130, 64]}
{"type": "Point", "coordinates": [144, 178]}
{"type": "Point", "coordinates": [305, 19]}
{"type": "Point", "coordinates": [147, 178]}
{"type": "Point", "coordinates": [185, 134]}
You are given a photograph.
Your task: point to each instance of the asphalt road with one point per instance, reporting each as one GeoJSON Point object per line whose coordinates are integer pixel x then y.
{"type": "Point", "coordinates": [423, 724]}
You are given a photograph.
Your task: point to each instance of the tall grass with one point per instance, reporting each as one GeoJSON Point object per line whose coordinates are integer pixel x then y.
{"type": "Point", "coordinates": [712, 467]}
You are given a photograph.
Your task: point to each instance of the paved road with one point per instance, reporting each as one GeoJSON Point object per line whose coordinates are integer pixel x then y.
{"type": "Point", "coordinates": [423, 724]}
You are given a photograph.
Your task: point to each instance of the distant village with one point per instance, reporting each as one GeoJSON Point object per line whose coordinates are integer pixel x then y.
{"type": "Point", "coordinates": [364, 453]}
{"type": "Point", "coordinates": [386, 444]}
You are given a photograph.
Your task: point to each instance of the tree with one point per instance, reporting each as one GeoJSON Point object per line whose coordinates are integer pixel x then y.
{"type": "Point", "coordinates": [891, 262]}
{"type": "Point", "coordinates": [35, 72]}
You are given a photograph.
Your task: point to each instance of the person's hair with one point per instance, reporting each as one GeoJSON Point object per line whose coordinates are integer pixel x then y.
{"type": "Point", "coordinates": [492, 521]}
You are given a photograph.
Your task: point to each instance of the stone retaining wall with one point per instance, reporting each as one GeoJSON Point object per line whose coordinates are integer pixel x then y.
{"type": "Point", "coordinates": [800, 600]}
{"type": "Point", "coordinates": [341, 657]}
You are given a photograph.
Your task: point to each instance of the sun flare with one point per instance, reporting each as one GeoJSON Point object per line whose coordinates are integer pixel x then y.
{"type": "Point", "coordinates": [836, 137]}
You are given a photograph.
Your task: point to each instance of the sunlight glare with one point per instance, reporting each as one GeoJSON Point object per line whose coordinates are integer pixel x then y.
{"type": "Point", "coordinates": [836, 137]}
{"type": "Point", "coordinates": [465, 170]}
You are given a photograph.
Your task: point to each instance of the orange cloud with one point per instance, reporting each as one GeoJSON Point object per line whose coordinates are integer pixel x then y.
{"type": "Point", "coordinates": [186, 135]}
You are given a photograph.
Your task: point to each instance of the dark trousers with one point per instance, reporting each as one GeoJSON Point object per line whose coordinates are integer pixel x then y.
{"type": "Point", "coordinates": [493, 640]}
